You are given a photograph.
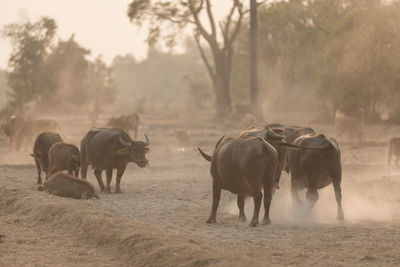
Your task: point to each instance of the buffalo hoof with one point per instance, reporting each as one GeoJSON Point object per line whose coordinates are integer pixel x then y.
{"type": "Point", "coordinates": [253, 223]}
{"type": "Point", "coordinates": [266, 221]}
{"type": "Point", "coordinates": [242, 219]}
{"type": "Point", "coordinates": [211, 220]}
{"type": "Point", "coordinates": [102, 189]}
{"type": "Point", "coordinates": [108, 190]}
{"type": "Point", "coordinates": [118, 191]}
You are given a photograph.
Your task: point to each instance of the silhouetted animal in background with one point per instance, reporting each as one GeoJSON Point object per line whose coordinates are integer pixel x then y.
{"type": "Point", "coordinates": [183, 139]}
{"type": "Point", "coordinates": [394, 149]}
{"type": "Point", "coordinates": [125, 122]}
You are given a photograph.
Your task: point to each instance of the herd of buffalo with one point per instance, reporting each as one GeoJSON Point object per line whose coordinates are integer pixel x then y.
{"type": "Point", "coordinates": [247, 165]}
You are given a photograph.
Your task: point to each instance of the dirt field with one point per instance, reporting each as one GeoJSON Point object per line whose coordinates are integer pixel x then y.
{"type": "Point", "coordinates": [159, 218]}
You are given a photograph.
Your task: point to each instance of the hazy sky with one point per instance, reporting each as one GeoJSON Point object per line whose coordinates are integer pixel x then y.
{"type": "Point", "coordinates": [99, 25]}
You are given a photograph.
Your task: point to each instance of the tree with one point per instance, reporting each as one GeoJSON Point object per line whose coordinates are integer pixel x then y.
{"type": "Point", "coordinates": [175, 16]}
{"type": "Point", "coordinates": [31, 42]}
{"type": "Point", "coordinates": [67, 69]}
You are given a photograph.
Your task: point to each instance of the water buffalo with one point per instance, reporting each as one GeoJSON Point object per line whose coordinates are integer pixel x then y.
{"type": "Point", "coordinates": [12, 128]}
{"type": "Point", "coordinates": [291, 133]}
{"type": "Point", "coordinates": [243, 166]}
{"type": "Point", "coordinates": [63, 156]}
{"type": "Point", "coordinates": [394, 149]}
{"type": "Point", "coordinates": [125, 122]}
{"type": "Point", "coordinates": [273, 137]}
{"type": "Point", "coordinates": [315, 169]}
{"type": "Point", "coordinates": [41, 149]}
{"type": "Point", "coordinates": [108, 149]}
{"type": "Point", "coordinates": [66, 185]}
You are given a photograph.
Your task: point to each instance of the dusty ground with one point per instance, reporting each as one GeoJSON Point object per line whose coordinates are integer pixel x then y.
{"type": "Point", "coordinates": [159, 218]}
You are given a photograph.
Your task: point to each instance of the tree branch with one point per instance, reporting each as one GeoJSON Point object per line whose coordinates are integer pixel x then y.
{"type": "Point", "coordinates": [203, 55]}
{"type": "Point", "coordinates": [211, 18]}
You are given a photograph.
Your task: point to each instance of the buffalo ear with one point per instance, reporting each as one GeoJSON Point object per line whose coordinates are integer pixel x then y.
{"type": "Point", "coordinates": [122, 151]}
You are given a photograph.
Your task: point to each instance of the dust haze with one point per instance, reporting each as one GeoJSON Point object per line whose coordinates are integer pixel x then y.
{"type": "Point", "coordinates": [159, 219]}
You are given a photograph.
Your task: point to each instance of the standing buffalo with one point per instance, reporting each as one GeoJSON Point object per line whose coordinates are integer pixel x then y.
{"type": "Point", "coordinates": [243, 166]}
{"type": "Point", "coordinates": [12, 128]}
{"type": "Point", "coordinates": [41, 149]}
{"type": "Point", "coordinates": [125, 122]}
{"type": "Point", "coordinates": [63, 156]}
{"type": "Point", "coordinates": [108, 149]}
{"type": "Point", "coordinates": [315, 169]}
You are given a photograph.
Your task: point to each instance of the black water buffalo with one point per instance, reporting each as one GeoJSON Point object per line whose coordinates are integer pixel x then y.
{"type": "Point", "coordinates": [63, 156]}
{"type": "Point", "coordinates": [291, 133]}
{"type": "Point", "coordinates": [272, 136]}
{"type": "Point", "coordinates": [243, 166]}
{"type": "Point", "coordinates": [315, 169]}
{"type": "Point", "coordinates": [125, 122]}
{"type": "Point", "coordinates": [41, 150]}
{"type": "Point", "coordinates": [108, 149]}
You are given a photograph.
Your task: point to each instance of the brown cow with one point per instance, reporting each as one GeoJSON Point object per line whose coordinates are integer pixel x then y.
{"type": "Point", "coordinates": [66, 185]}
{"type": "Point", "coordinates": [63, 156]}
{"type": "Point", "coordinates": [125, 122]}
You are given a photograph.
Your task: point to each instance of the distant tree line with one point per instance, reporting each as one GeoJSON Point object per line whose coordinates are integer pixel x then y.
{"type": "Point", "coordinates": [42, 71]}
{"type": "Point", "coordinates": [328, 55]}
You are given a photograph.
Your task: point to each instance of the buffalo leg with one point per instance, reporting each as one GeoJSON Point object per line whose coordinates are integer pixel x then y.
{"type": "Point", "coordinates": [39, 171]}
{"type": "Point", "coordinates": [120, 172]}
{"type": "Point", "coordinates": [109, 177]}
{"type": "Point", "coordinates": [257, 197]}
{"type": "Point", "coordinates": [216, 198]}
{"type": "Point", "coordinates": [338, 196]}
{"type": "Point", "coordinates": [295, 195]}
{"type": "Point", "coordinates": [240, 203]}
{"type": "Point", "coordinates": [76, 172]}
{"type": "Point", "coordinates": [84, 170]}
{"type": "Point", "coordinates": [97, 173]}
{"type": "Point", "coordinates": [268, 187]}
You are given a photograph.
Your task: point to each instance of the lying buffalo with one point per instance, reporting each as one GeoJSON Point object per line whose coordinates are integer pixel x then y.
{"type": "Point", "coordinates": [125, 122]}
{"type": "Point", "coordinates": [63, 156]}
{"type": "Point", "coordinates": [41, 149]}
{"type": "Point", "coordinates": [244, 166]}
{"type": "Point", "coordinates": [108, 149]}
{"type": "Point", "coordinates": [66, 185]}
{"type": "Point", "coordinates": [315, 169]}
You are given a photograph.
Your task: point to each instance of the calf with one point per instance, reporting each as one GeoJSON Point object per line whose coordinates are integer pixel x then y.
{"type": "Point", "coordinates": [63, 156]}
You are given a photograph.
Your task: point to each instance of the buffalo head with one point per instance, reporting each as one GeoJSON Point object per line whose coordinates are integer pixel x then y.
{"type": "Point", "coordinates": [135, 151]}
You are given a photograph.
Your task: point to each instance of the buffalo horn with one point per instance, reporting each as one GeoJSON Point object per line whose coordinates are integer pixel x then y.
{"type": "Point", "coordinates": [147, 140]}
{"type": "Point", "coordinates": [123, 142]}
{"type": "Point", "coordinates": [207, 157]}
{"type": "Point", "coordinates": [302, 147]}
